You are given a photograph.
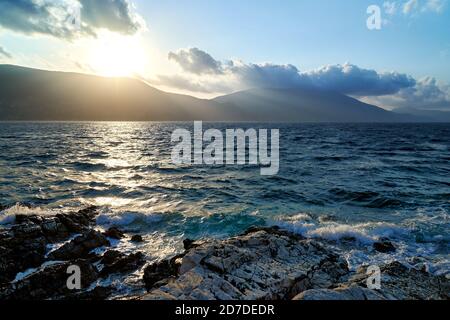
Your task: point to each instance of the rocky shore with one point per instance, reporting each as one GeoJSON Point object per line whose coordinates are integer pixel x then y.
{"type": "Point", "coordinates": [263, 263]}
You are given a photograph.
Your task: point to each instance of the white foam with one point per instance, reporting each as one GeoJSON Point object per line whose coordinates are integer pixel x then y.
{"type": "Point", "coordinates": [127, 218]}
{"type": "Point", "coordinates": [8, 216]}
{"type": "Point", "coordinates": [365, 233]}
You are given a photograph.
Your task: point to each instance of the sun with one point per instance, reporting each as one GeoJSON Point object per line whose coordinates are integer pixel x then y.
{"type": "Point", "coordinates": [117, 56]}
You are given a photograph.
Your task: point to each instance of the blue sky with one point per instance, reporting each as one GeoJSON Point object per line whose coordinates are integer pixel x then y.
{"type": "Point", "coordinates": [414, 41]}
{"type": "Point", "coordinates": [305, 33]}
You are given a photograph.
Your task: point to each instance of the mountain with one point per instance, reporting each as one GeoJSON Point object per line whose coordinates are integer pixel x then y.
{"type": "Point", "coordinates": [430, 115]}
{"type": "Point", "coordinates": [306, 105]}
{"type": "Point", "coordinates": [30, 94]}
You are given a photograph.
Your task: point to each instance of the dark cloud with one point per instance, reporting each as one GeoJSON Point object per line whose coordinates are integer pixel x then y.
{"type": "Point", "coordinates": [352, 80]}
{"type": "Point", "coordinates": [59, 18]}
{"type": "Point", "coordinates": [268, 75]}
{"type": "Point", "coordinates": [196, 61]}
{"type": "Point", "coordinates": [426, 94]}
{"type": "Point", "coordinates": [114, 15]}
{"type": "Point", "coordinates": [4, 53]}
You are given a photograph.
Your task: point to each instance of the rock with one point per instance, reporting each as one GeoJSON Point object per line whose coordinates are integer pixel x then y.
{"type": "Point", "coordinates": [117, 262]}
{"type": "Point", "coordinates": [96, 294]}
{"type": "Point", "coordinates": [80, 247]}
{"type": "Point", "coordinates": [384, 246]}
{"type": "Point", "coordinates": [137, 238]}
{"type": "Point", "coordinates": [398, 282]}
{"type": "Point", "coordinates": [114, 233]}
{"type": "Point", "coordinates": [187, 243]}
{"type": "Point", "coordinates": [21, 247]}
{"type": "Point", "coordinates": [24, 244]}
{"type": "Point", "coordinates": [161, 270]}
{"type": "Point", "coordinates": [353, 293]}
{"type": "Point", "coordinates": [262, 264]}
{"type": "Point", "coordinates": [49, 282]}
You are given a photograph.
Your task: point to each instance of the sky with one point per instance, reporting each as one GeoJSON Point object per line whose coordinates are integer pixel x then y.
{"type": "Point", "coordinates": [208, 48]}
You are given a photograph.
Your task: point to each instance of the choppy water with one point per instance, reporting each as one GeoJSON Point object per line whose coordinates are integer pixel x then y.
{"type": "Point", "coordinates": [336, 182]}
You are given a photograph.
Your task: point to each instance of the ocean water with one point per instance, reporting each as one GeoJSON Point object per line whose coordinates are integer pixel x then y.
{"type": "Point", "coordinates": [349, 184]}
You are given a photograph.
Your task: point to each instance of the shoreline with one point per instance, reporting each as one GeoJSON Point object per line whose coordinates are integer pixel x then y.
{"type": "Point", "coordinates": [264, 263]}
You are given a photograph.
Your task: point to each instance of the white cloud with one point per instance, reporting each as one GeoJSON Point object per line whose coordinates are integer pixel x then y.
{"type": "Point", "coordinates": [200, 72]}
{"type": "Point", "coordinates": [196, 61]}
{"type": "Point", "coordinates": [418, 6]}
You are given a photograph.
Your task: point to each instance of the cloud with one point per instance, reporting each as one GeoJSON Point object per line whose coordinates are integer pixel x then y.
{"type": "Point", "coordinates": [191, 84]}
{"type": "Point", "coordinates": [347, 78]}
{"type": "Point", "coordinates": [353, 80]}
{"type": "Point", "coordinates": [114, 15]}
{"type": "Point", "coordinates": [413, 7]}
{"type": "Point", "coordinates": [390, 7]}
{"type": "Point", "coordinates": [202, 73]}
{"type": "Point", "coordinates": [196, 61]}
{"type": "Point", "coordinates": [410, 6]}
{"type": "Point", "coordinates": [428, 93]}
{"type": "Point", "coordinates": [267, 75]}
{"type": "Point", "coordinates": [4, 53]}
{"type": "Point", "coordinates": [68, 19]}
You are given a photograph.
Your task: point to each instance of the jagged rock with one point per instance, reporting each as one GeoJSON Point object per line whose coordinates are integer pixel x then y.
{"type": "Point", "coordinates": [264, 263]}
{"type": "Point", "coordinates": [384, 246]}
{"type": "Point", "coordinates": [187, 243]}
{"type": "Point", "coordinates": [398, 282]}
{"type": "Point", "coordinates": [161, 270]}
{"type": "Point", "coordinates": [354, 292]}
{"type": "Point", "coordinates": [23, 245]}
{"type": "Point", "coordinates": [114, 233]}
{"type": "Point", "coordinates": [80, 247]}
{"type": "Point", "coordinates": [49, 282]}
{"type": "Point", "coordinates": [117, 262]}
{"type": "Point", "coordinates": [137, 238]}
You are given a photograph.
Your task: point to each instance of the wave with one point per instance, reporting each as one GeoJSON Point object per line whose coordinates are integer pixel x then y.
{"type": "Point", "coordinates": [363, 233]}
{"type": "Point", "coordinates": [8, 216]}
{"type": "Point", "coordinates": [369, 199]}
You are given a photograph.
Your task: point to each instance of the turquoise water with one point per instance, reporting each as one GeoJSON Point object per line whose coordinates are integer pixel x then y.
{"type": "Point", "coordinates": [337, 182]}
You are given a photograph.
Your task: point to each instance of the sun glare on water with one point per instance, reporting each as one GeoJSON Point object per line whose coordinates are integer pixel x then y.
{"type": "Point", "coordinates": [118, 56]}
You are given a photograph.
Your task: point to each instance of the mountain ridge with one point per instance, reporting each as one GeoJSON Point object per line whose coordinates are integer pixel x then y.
{"type": "Point", "coordinates": [28, 94]}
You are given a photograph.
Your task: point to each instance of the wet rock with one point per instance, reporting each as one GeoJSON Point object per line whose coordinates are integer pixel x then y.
{"type": "Point", "coordinates": [187, 243]}
{"type": "Point", "coordinates": [49, 282]}
{"type": "Point", "coordinates": [117, 262]}
{"type": "Point", "coordinates": [80, 247]}
{"type": "Point", "coordinates": [263, 263]}
{"type": "Point", "coordinates": [21, 247]}
{"type": "Point", "coordinates": [384, 246]}
{"type": "Point", "coordinates": [114, 233]}
{"type": "Point", "coordinates": [137, 238]}
{"type": "Point", "coordinates": [161, 270]}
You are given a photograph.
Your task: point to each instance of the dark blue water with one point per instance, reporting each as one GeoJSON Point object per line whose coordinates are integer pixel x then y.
{"type": "Point", "coordinates": [355, 182]}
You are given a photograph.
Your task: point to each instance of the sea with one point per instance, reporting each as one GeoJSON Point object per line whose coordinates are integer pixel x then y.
{"type": "Point", "coordinates": [349, 185]}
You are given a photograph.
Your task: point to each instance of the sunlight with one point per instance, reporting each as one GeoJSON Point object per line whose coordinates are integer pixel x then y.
{"type": "Point", "coordinates": [117, 56]}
